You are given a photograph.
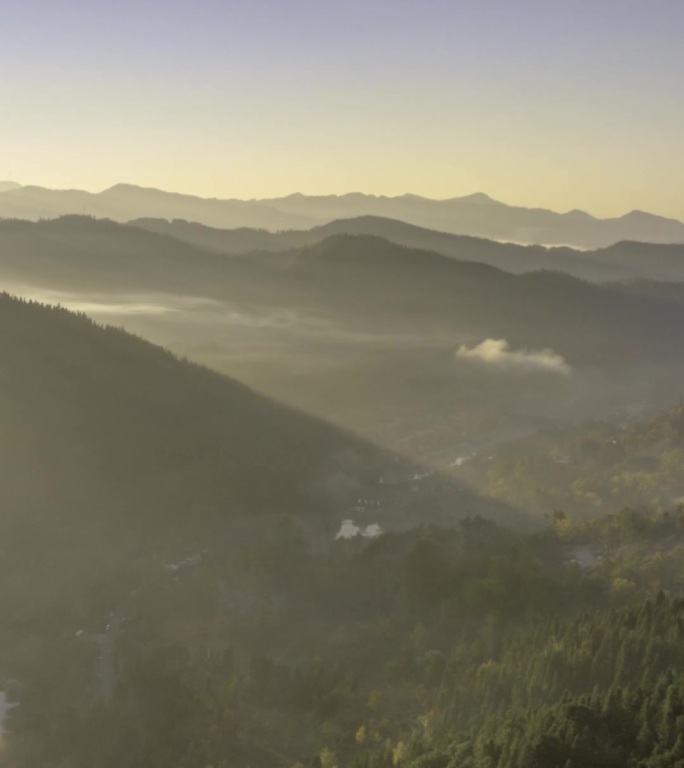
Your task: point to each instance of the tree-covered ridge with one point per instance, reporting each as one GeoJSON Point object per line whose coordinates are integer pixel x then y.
{"type": "Point", "coordinates": [416, 648]}
{"type": "Point", "coordinates": [605, 690]}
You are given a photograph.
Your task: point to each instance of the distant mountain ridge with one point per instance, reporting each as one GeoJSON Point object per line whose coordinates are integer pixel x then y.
{"type": "Point", "coordinates": [621, 261]}
{"type": "Point", "coordinates": [476, 215]}
{"type": "Point", "coordinates": [361, 278]}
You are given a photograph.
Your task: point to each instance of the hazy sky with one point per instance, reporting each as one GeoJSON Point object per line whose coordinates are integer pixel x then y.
{"type": "Point", "coordinates": [574, 104]}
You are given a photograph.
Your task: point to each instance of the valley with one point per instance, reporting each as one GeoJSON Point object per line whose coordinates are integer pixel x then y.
{"type": "Point", "coordinates": [349, 503]}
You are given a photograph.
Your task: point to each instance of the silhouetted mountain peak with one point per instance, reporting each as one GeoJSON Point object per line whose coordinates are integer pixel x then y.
{"type": "Point", "coordinates": [578, 213]}
{"type": "Point", "coordinates": [477, 198]}
{"type": "Point", "coordinates": [122, 188]}
{"type": "Point", "coordinates": [343, 243]}
{"type": "Point", "coordinates": [343, 248]}
{"type": "Point", "coordinates": [638, 214]}
{"type": "Point", "coordinates": [376, 251]}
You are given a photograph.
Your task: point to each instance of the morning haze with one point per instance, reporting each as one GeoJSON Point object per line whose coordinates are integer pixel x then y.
{"type": "Point", "coordinates": [341, 417]}
{"type": "Point", "coordinates": [570, 107]}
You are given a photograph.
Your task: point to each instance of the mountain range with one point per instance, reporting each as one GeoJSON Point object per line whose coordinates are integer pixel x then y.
{"type": "Point", "coordinates": [476, 215]}
{"type": "Point", "coordinates": [621, 261]}
{"type": "Point", "coordinates": [365, 281]}
{"type": "Point", "coordinates": [380, 338]}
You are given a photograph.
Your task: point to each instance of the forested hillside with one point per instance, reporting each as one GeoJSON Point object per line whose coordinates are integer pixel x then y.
{"type": "Point", "coordinates": [588, 469]}
{"type": "Point", "coordinates": [475, 646]}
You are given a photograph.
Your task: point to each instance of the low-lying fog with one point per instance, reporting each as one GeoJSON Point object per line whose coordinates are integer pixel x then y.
{"type": "Point", "coordinates": [429, 395]}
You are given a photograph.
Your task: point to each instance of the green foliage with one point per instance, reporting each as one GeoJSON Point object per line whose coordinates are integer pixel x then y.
{"type": "Point", "coordinates": [589, 470]}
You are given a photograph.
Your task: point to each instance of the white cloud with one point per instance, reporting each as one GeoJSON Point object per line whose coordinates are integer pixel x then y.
{"type": "Point", "coordinates": [497, 352]}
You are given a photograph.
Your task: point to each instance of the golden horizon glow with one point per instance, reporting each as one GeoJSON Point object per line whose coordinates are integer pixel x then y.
{"type": "Point", "coordinates": [551, 107]}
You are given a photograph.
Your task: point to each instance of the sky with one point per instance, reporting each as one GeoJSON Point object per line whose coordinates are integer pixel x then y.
{"type": "Point", "coordinates": [563, 105]}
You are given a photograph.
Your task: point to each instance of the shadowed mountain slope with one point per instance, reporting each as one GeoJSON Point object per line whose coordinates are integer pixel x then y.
{"type": "Point", "coordinates": [673, 292]}
{"type": "Point", "coordinates": [620, 261]}
{"type": "Point", "coordinates": [98, 422]}
{"type": "Point", "coordinates": [374, 278]}
{"type": "Point", "coordinates": [82, 253]}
